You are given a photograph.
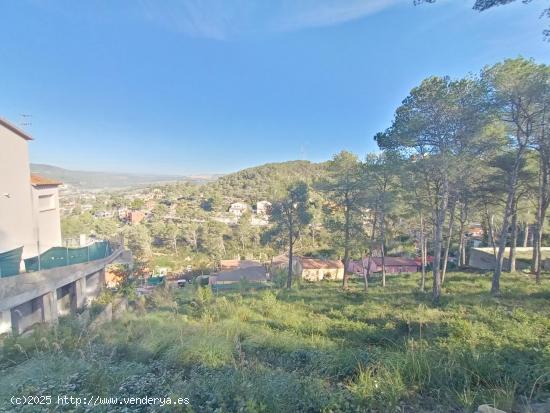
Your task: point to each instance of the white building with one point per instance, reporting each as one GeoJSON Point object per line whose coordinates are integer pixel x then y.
{"type": "Point", "coordinates": [238, 208]}
{"type": "Point", "coordinates": [263, 208]}
{"type": "Point", "coordinates": [29, 208]}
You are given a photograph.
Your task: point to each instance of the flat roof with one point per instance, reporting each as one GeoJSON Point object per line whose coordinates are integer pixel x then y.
{"type": "Point", "coordinates": [15, 129]}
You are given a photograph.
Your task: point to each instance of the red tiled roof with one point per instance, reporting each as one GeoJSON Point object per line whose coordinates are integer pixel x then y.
{"type": "Point", "coordinates": [252, 273]}
{"type": "Point", "coordinates": [226, 264]}
{"type": "Point", "coordinates": [15, 129]}
{"type": "Point", "coordinates": [316, 264]}
{"type": "Point", "coordinates": [394, 261]}
{"type": "Point", "coordinates": [37, 180]}
{"type": "Point", "coordinates": [232, 264]}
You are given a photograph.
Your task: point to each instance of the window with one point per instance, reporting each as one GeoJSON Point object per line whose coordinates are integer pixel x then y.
{"type": "Point", "coordinates": [46, 202]}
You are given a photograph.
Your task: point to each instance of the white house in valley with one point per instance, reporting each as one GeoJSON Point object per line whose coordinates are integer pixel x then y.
{"type": "Point", "coordinates": [238, 209]}
{"type": "Point", "coordinates": [29, 205]}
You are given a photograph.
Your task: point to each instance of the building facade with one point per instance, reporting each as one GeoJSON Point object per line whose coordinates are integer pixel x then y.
{"type": "Point", "coordinates": [17, 227]}
{"type": "Point", "coordinates": [29, 204]}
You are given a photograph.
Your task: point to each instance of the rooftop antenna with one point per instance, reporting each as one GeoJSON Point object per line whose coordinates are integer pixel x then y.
{"type": "Point", "coordinates": [25, 120]}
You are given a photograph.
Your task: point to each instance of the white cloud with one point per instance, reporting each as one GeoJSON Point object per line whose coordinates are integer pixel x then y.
{"type": "Point", "coordinates": [303, 14]}
{"type": "Point", "coordinates": [219, 19]}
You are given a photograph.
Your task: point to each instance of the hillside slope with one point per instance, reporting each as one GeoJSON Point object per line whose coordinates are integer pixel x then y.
{"type": "Point", "coordinates": [264, 181]}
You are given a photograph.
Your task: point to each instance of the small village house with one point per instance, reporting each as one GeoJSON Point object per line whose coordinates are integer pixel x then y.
{"type": "Point", "coordinates": [311, 269]}
{"type": "Point", "coordinates": [238, 209]}
{"type": "Point", "coordinates": [134, 217]}
{"type": "Point", "coordinates": [393, 265]}
{"type": "Point", "coordinates": [263, 208]}
{"type": "Point", "coordinates": [233, 271]}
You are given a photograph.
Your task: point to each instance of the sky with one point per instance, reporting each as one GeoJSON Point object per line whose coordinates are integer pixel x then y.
{"type": "Point", "coordinates": [212, 86]}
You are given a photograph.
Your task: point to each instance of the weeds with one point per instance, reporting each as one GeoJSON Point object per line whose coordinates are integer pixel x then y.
{"type": "Point", "coordinates": [312, 349]}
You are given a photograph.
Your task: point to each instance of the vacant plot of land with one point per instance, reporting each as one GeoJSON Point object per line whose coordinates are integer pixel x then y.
{"type": "Point", "coordinates": [313, 349]}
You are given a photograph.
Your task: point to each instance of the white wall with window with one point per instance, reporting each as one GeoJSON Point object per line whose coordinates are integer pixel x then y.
{"type": "Point", "coordinates": [47, 215]}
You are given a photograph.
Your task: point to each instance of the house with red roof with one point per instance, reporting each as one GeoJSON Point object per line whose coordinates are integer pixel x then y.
{"type": "Point", "coordinates": [393, 265]}
{"type": "Point", "coordinates": [315, 269]}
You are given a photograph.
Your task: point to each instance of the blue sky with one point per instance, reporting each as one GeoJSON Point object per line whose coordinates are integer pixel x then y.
{"type": "Point", "coordinates": [213, 86]}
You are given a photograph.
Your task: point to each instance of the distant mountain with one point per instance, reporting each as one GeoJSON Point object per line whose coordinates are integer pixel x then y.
{"type": "Point", "coordinates": [261, 182]}
{"type": "Point", "coordinates": [110, 180]}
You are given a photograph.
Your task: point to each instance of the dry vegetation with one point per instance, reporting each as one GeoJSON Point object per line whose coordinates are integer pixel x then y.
{"type": "Point", "coordinates": [311, 349]}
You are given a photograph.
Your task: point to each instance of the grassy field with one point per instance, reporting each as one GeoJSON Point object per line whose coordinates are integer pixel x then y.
{"type": "Point", "coordinates": [312, 349]}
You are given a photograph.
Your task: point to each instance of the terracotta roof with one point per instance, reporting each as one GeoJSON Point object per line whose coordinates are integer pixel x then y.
{"type": "Point", "coordinates": [312, 263]}
{"type": "Point", "coordinates": [225, 264]}
{"type": "Point", "coordinates": [280, 260]}
{"type": "Point", "coordinates": [37, 180]}
{"type": "Point", "coordinates": [14, 129]}
{"type": "Point", "coordinates": [256, 273]}
{"type": "Point", "coordinates": [231, 264]}
{"type": "Point", "coordinates": [394, 261]}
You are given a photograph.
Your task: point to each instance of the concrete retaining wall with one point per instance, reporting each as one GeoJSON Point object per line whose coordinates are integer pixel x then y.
{"type": "Point", "coordinates": [112, 311]}
{"type": "Point", "coordinates": [41, 297]}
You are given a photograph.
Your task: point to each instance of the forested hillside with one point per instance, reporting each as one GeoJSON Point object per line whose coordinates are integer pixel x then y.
{"type": "Point", "coordinates": [265, 181]}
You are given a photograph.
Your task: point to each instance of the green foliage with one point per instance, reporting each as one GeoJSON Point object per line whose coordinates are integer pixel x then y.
{"type": "Point", "coordinates": [312, 349]}
{"type": "Point", "coordinates": [278, 278]}
{"type": "Point", "coordinates": [137, 204]}
{"type": "Point", "coordinates": [105, 228]}
{"type": "Point", "coordinates": [75, 225]}
{"type": "Point", "coordinates": [138, 240]}
{"type": "Point", "coordinates": [266, 182]}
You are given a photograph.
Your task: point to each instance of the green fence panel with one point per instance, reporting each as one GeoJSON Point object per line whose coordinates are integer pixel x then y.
{"type": "Point", "coordinates": [154, 281]}
{"type": "Point", "coordinates": [10, 262]}
{"type": "Point", "coordinates": [99, 250]}
{"type": "Point", "coordinates": [60, 256]}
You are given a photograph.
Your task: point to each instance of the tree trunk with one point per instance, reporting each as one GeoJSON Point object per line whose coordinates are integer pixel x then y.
{"type": "Point", "coordinates": [369, 262]}
{"type": "Point", "coordinates": [544, 190]}
{"type": "Point", "coordinates": [422, 253]}
{"type": "Point", "coordinates": [495, 286]}
{"type": "Point", "coordinates": [461, 258]}
{"type": "Point", "coordinates": [513, 238]}
{"type": "Point", "coordinates": [383, 257]}
{"type": "Point", "coordinates": [541, 233]}
{"type": "Point", "coordinates": [448, 243]}
{"type": "Point", "coordinates": [364, 274]}
{"type": "Point", "coordinates": [536, 233]}
{"type": "Point", "coordinates": [491, 233]}
{"type": "Point", "coordinates": [438, 243]}
{"type": "Point", "coordinates": [425, 262]}
{"type": "Point", "coordinates": [542, 208]}
{"type": "Point", "coordinates": [289, 275]}
{"type": "Point", "coordinates": [525, 234]}
{"type": "Point", "coordinates": [290, 246]}
{"type": "Point", "coordinates": [462, 239]}
{"type": "Point", "coordinates": [539, 243]}
{"type": "Point", "coordinates": [346, 247]}
{"type": "Point", "coordinates": [382, 249]}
